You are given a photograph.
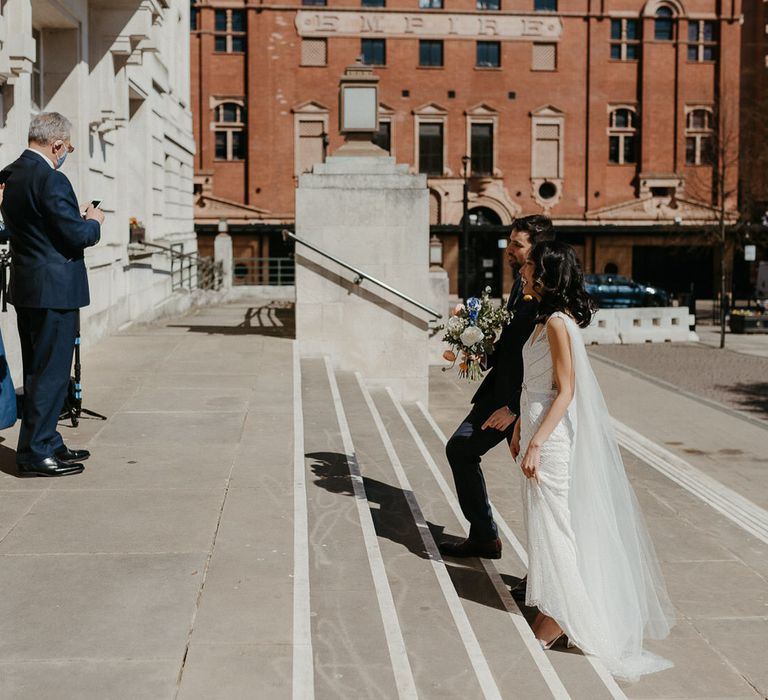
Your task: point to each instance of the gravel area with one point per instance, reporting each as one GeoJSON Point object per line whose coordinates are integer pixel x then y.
{"type": "Point", "coordinates": [731, 378]}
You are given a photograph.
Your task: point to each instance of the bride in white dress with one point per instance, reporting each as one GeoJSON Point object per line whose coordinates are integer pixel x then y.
{"type": "Point", "coordinates": [593, 573]}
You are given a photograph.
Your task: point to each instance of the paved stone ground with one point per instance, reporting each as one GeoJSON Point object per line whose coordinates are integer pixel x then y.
{"type": "Point", "coordinates": [736, 379]}
{"type": "Point", "coordinates": [168, 570]}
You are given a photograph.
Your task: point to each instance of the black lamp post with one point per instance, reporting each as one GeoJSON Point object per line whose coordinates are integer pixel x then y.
{"type": "Point", "coordinates": [467, 163]}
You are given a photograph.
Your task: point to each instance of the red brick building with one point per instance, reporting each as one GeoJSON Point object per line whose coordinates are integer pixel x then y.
{"type": "Point", "coordinates": [600, 113]}
{"type": "Point", "coordinates": [754, 101]}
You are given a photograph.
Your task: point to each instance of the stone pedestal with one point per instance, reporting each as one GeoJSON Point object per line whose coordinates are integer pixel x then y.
{"type": "Point", "coordinates": [370, 213]}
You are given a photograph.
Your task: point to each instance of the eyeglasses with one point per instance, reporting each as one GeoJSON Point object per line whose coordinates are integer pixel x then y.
{"type": "Point", "coordinates": [70, 147]}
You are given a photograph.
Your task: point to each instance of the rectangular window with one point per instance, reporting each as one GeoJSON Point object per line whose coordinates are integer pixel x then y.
{"type": "Point", "coordinates": [230, 28]}
{"type": "Point", "coordinates": [238, 145]}
{"type": "Point", "coordinates": [625, 39]}
{"type": "Point", "coordinates": [238, 21]}
{"type": "Point", "coordinates": [430, 53]}
{"type": "Point", "coordinates": [488, 4]}
{"type": "Point", "coordinates": [430, 4]}
{"type": "Point", "coordinates": [383, 137]}
{"type": "Point", "coordinates": [312, 142]}
{"type": "Point", "coordinates": [37, 71]}
{"type": "Point", "coordinates": [194, 16]}
{"type": "Point", "coordinates": [488, 54]}
{"type": "Point", "coordinates": [614, 149]}
{"type": "Point", "coordinates": [374, 52]}
{"type": "Point", "coordinates": [321, 3]}
{"type": "Point", "coordinates": [221, 145]}
{"type": "Point", "coordinates": [481, 146]}
{"type": "Point", "coordinates": [431, 149]}
{"type": "Point", "coordinates": [544, 57]}
{"type": "Point", "coordinates": [314, 52]}
{"type": "Point", "coordinates": [702, 40]}
{"type": "Point", "coordinates": [545, 5]}
{"type": "Point", "coordinates": [372, 3]}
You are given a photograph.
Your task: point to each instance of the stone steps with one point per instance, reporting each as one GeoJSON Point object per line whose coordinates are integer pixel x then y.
{"type": "Point", "coordinates": [388, 617]}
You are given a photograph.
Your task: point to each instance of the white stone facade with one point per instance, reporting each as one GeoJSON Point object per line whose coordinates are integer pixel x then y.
{"type": "Point", "coordinates": [120, 71]}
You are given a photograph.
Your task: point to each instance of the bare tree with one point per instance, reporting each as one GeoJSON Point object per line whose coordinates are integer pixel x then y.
{"type": "Point", "coordinates": [718, 185]}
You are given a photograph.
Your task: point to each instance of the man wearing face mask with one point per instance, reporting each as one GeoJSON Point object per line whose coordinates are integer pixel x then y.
{"type": "Point", "coordinates": [48, 286]}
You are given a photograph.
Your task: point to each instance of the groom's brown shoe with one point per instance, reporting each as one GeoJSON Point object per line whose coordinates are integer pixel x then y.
{"type": "Point", "coordinates": [486, 549]}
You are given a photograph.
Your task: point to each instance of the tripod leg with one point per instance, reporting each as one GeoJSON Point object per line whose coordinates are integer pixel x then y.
{"type": "Point", "coordinates": [92, 414]}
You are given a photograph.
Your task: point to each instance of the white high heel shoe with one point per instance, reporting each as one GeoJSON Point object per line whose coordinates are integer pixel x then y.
{"type": "Point", "coordinates": [548, 645]}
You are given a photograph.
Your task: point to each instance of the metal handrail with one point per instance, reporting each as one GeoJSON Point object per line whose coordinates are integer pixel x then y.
{"type": "Point", "coordinates": [172, 251]}
{"type": "Point", "coordinates": [205, 266]}
{"type": "Point", "coordinates": [361, 275]}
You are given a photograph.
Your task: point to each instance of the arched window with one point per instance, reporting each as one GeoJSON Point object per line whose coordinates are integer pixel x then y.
{"type": "Point", "coordinates": [698, 136]}
{"type": "Point", "coordinates": [229, 128]}
{"type": "Point", "coordinates": [664, 24]}
{"type": "Point", "coordinates": [622, 135]}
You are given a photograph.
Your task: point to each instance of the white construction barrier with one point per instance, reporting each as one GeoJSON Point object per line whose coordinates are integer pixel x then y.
{"type": "Point", "coordinates": [667, 324]}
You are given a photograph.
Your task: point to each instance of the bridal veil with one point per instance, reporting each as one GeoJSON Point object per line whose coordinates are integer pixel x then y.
{"type": "Point", "coordinates": [615, 554]}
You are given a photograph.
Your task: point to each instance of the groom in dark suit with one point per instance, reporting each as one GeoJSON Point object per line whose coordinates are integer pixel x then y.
{"type": "Point", "coordinates": [48, 286]}
{"type": "Point", "coordinates": [496, 404]}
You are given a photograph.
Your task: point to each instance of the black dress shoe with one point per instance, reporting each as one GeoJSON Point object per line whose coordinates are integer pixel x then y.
{"type": "Point", "coordinates": [50, 466]}
{"type": "Point", "coordinates": [486, 549]}
{"type": "Point", "coordinates": [64, 454]}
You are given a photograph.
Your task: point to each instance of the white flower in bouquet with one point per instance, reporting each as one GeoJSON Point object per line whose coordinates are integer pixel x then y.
{"type": "Point", "coordinates": [471, 336]}
{"type": "Point", "coordinates": [455, 325]}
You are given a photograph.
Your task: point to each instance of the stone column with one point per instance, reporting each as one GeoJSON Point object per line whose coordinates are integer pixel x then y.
{"type": "Point", "coordinates": [369, 212]}
{"type": "Point", "coordinates": [222, 252]}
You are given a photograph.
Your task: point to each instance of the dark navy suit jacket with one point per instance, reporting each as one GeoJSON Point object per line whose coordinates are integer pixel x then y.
{"type": "Point", "coordinates": [48, 236]}
{"type": "Point", "coordinates": [502, 384]}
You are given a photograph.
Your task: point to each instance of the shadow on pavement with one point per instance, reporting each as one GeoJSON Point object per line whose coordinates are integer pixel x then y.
{"type": "Point", "coordinates": [393, 521]}
{"type": "Point", "coordinates": [752, 396]}
{"type": "Point", "coordinates": [275, 320]}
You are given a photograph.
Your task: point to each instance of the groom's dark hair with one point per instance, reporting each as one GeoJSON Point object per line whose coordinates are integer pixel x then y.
{"type": "Point", "coordinates": [537, 226]}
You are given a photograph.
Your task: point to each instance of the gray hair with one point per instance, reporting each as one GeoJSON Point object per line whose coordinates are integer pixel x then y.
{"type": "Point", "coordinates": [48, 127]}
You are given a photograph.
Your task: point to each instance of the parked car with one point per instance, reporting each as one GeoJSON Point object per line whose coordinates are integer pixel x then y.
{"type": "Point", "coordinates": [619, 292]}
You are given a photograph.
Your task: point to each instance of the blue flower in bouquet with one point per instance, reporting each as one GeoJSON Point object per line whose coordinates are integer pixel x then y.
{"type": "Point", "coordinates": [473, 308]}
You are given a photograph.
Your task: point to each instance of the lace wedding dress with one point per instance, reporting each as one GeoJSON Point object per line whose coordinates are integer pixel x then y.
{"type": "Point", "coordinates": [592, 566]}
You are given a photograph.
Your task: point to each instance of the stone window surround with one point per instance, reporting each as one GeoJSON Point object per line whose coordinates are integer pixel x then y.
{"type": "Point", "coordinates": [623, 131]}
{"type": "Point", "coordinates": [218, 125]}
{"type": "Point", "coordinates": [431, 114]}
{"type": "Point", "coordinates": [649, 12]}
{"type": "Point", "coordinates": [699, 134]}
{"type": "Point", "coordinates": [543, 116]}
{"type": "Point", "coordinates": [483, 114]}
{"type": "Point", "coordinates": [307, 112]}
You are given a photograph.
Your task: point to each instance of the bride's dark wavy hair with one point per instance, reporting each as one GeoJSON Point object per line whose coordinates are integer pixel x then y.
{"type": "Point", "coordinates": [557, 276]}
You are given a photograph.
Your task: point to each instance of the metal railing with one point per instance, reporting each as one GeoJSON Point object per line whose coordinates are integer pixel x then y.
{"type": "Point", "coordinates": [190, 270]}
{"type": "Point", "coordinates": [361, 276]}
{"type": "Point", "coordinates": [271, 272]}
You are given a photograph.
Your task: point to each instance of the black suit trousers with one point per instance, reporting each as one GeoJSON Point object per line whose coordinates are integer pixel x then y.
{"type": "Point", "coordinates": [464, 451]}
{"type": "Point", "coordinates": [47, 345]}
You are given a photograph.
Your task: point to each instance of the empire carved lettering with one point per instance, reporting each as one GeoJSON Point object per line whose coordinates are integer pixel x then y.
{"type": "Point", "coordinates": [427, 25]}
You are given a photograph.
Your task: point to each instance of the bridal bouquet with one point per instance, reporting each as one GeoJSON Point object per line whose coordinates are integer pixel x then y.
{"type": "Point", "coordinates": [471, 331]}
